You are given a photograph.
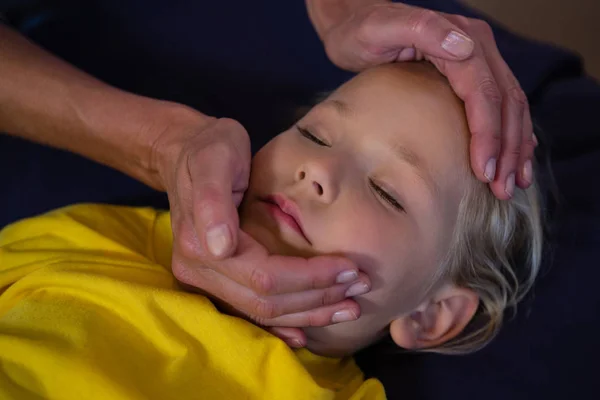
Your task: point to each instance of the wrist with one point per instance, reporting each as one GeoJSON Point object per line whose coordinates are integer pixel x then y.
{"type": "Point", "coordinates": [131, 133]}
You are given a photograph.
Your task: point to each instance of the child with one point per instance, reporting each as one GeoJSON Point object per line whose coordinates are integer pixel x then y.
{"type": "Point", "coordinates": [378, 172]}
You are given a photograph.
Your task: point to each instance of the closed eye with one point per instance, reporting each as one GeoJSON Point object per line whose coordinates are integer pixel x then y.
{"type": "Point", "coordinates": [387, 197]}
{"type": "Point", "coordinates": [307, 134]}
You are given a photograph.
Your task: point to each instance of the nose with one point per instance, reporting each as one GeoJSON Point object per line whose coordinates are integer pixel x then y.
{"type": "Point", "coordinates": [320, 179]}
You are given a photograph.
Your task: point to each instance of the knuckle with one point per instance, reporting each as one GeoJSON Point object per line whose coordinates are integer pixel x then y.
{"type": "Point", "coordinates": [517, 96]}
{"type": "Point", "coordinates": [315, 282]}
{"type": "Point", "coordinates": [179, 271]}
{"type": "Point", "coordinates": [324, 298]}
{"type": "Point", "coordinates": [209, 200]}
{"type": "Point", "coordinates": [327, 297]}
{"type": "Point", "coordinates": [262, 282]}
{"type": "Point", "coordinates": [513, 148]}
{"type": "Point", "coordinates": [421, 19]}
{"type": "Point", "coordinates": [371, 54]}
{"type": "Point", "coordinates": [220, 150]}
{"type": "Point", "coordinates": [366, 31]}
{"type": "Point", "coordinates": [315, 320]}
{"type": "Point", "coordinates": [263, 310]}
{"type": "Point", "coordinates": [530, 143]}
{"type": "Point", "coordinates": [482, 28]}
{"type": "Point", "coordinates": [493, 135]}
{"type": "Point", "coordinates": [461, 21]}
{"type": "Point", "coordinates": [230, 124]}
{"type": "Point", "coordinates": [183, 273]}
{"type": "Point", "coordinates": [210, 152]}
{"type": "Point", "coordinates": [187, 243]}
{"type": "Point", "coordinates": [490, 90]}
{"type": "Point", "coordinates": [373, 18]}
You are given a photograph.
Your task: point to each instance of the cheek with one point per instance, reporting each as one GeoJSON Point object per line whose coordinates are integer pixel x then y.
{"type": "Point", "coordinates": [387, 249]}
{"type": "Point", "coordinates": [268, 165]}
{"type": "Point", "coordinates": [371, 237]}
{"type": "Point", "coordinates": [275, 164]}
{"type": "Point", "coordinates": [357, 223]}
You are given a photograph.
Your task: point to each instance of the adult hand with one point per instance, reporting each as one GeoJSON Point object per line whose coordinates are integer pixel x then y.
{"type": "Point", "coordinates": [361, 34]}
{"type": "Point", "coordinates": [204, 165]}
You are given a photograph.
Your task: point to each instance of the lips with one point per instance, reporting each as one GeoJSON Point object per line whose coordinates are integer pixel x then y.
{"type": "Point", "coordinates": [288, 212]}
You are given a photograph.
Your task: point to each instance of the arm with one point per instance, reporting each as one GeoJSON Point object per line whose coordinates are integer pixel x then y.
{"type": "Point", "coordinates": [46, 100]}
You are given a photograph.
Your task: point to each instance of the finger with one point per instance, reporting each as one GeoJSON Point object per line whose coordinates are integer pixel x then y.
{"type": "Point", "coordinates": [215, 215]}
{"type": "Point", "coordinates": [525, 175]}
{"type": "Point", "coordinates": [263, 308]}
{"type": "Point", "coordinates": [345, 311]}
{"type": "Point", "coordinates": [475, 84]}
{"type": "Point", "coordinates": [293, 337]}
{"type": "Point", "coordinates": [400, 26]}
{"type": "Point", "coordinates": [274, 306]}
{"type": "Point", "coordinates": [514, 105]}
{"type": "Point", "coordinates": [267, 274]}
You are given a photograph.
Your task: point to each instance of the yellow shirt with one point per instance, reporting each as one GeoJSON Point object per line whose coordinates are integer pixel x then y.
{"type": "Point", "coordinates": [89, 309]}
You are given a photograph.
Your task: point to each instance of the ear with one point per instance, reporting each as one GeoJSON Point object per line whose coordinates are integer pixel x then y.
{"type": "Point", "coordinates": [437, 320]}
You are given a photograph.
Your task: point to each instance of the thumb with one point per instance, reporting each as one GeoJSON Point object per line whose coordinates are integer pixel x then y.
{"type": "Point", "coordinates": [216, 219]}
{"type": "Point", "coordinates": [427, 31]}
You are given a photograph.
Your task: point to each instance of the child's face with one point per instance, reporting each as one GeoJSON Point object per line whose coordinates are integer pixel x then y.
{"type": "Point", "coordinates": [379, 181]}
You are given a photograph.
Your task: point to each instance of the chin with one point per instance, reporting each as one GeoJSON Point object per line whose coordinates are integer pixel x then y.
{"type": "Point", "coordinates": [334, 341]}
{"type": "Point", "coordinates": [326, 350]}
{"type": "Point", "coordinates": [331, 342]}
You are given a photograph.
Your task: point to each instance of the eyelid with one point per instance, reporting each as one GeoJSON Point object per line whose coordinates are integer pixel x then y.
{"type": "Point", "coordinates": [307, 133]}
{"type": "Point", "coordinates": [389, 192]}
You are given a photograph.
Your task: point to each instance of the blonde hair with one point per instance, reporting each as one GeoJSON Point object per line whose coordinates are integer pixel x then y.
{"type": "Point", "coordinates": [495, 251]}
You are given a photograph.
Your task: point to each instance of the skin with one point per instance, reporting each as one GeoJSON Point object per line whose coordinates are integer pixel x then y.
{"type": "Point", "coordinates": [334, 164]}
{"type": "Point", "coordinates": [203, 163]}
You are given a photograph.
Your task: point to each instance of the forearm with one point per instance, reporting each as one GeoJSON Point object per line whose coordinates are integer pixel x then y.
{"type": "Point", "coordinates": [325, 14]}
{"type": "Point", "coordinates": [46, 100]}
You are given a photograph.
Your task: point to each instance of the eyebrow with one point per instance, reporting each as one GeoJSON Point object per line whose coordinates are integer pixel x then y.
{"type": "Point", "coordinates": [402, 152]}
{"type": "Point", "coordinates": [341, 107]}
{"type": "Point", "coordinates": [410, 157]}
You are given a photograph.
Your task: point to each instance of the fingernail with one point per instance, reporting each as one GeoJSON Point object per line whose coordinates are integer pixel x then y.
{"type": "Point", "coordinates": [407, 54]}
{"type": "Point", "coordinates": [535, 140]}
{"type": "Point", "coordinates": [343, 316]}
{"type": "Point", "coordinates": [490, 170]}
{"type": "Point", "coordinates": [510, 185]}
{"type": "Point", "coordinates": [346, 277]}
{"type": "Point", "coordinates": [528, 172]}
{"type": "Point", "coordinates": [218, 240]}
{"type": "Point", "coordinates": [295, 343]}
{"type": "Point", "coordinates": [458, 44]}
{"type": "Point", "coordinates": [357, 289]}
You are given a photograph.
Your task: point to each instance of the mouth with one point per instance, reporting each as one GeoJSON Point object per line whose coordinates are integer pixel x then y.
{"type": "Point", "coordinates": [286, 211]}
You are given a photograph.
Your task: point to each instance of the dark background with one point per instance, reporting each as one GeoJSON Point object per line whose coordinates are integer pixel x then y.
{"type": "Point", "coordinates": [257, 62]}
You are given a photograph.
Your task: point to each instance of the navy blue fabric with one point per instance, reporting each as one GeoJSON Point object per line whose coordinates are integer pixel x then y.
{"type": "Point", "coordinates": [256, 62]}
